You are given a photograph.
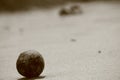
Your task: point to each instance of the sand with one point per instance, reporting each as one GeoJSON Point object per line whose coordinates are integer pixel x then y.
{"type": "Point", "coordinates": [77, 47]}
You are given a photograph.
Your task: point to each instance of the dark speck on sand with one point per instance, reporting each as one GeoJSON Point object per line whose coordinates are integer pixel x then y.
{"type": "Point", "coordinates": [73, 40]}
{"type": "Point", "coordinates": [99, 51]}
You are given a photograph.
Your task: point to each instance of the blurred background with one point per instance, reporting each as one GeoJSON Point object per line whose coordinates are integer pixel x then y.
{"type": "Point", "coordinates": [14, 5]}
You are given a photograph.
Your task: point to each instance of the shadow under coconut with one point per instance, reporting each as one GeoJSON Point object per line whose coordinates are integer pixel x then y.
{"type": "Point", "coordinates": [24, 78]}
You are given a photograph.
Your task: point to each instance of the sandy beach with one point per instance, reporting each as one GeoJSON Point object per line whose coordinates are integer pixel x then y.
{"type": "Point", "coordinates": [76, 47]}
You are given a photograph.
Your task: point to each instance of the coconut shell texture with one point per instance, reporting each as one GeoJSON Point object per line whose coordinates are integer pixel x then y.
{"type": "Point", "coordinates": [30, 63]}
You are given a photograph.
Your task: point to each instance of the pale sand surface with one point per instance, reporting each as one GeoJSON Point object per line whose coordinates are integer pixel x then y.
{"type": "Point", "coordinates": [70, 45]}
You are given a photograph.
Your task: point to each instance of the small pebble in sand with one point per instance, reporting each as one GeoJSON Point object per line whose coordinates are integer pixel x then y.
{"type": "Point", "coordinates": [73, 40]}
{"type": "Point", "coordinates": [30, 64]}
{"type": "Point", "coordinates": [64, 12]}
{"type": "Point", "coordinates": [75, 9]}
{"type": "Point", "coordinates": [99, 51]}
